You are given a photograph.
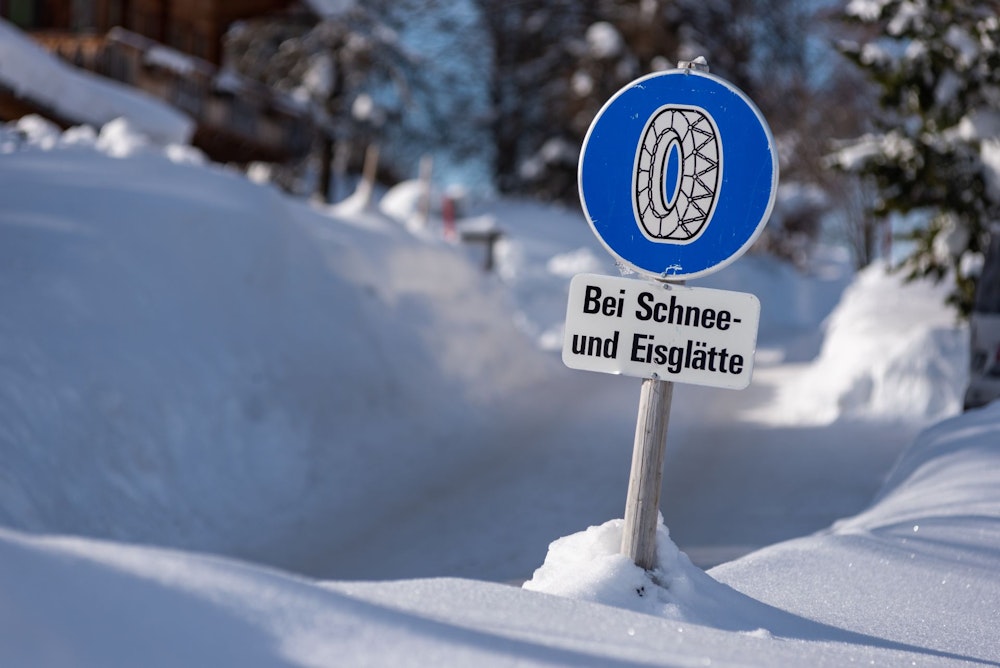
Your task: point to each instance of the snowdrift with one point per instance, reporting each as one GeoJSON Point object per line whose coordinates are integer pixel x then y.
{"type": "Point", "coordinates": [890, 351]}
{"type": "Point", "coordinates": [187, 356]}
{"type": "Point", "coordinates": [917, 567]}
{"type": "Point", "coordinates": [910, 581]}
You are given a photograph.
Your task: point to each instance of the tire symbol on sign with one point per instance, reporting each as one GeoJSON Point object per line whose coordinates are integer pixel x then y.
{"type": "Point", "coordinates": [678, 169]}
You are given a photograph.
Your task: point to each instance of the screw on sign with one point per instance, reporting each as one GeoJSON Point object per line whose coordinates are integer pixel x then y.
{"type": "Point", "coordinates": [678, 175]}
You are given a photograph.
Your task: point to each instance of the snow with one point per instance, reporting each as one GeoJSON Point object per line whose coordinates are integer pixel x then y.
{"type": "Point", "coordinates": [587, 566]}
{"type": "Point", "coordinates": [364, 109]}
{"type": "Point", "coordinates": [332, 8]}
{"type": "Point", "coordinates": [909, 16]}
{"type": "Point", "coordinates": [582, 84]}
{"type": "Point", "coordinates": [78, 95]}
{"type": "Point", "coordinates": [947, 88]}
{"type": "Point", "coordinates": [240, 429]}
{"type": "Point", "coordinates": [603, 40]}
{"type": "Point", "coordinates": [926, 546]}
{"type": "Point", "coordinates": [990, 153]}
{"type": "Point", "coordinates": [319, 77]}
{"type": "Point", "coordinates": [171, 59]}
{"type": "Point", "coordinates": [161, 608]}
{"type": "Point", "coordinates": [230, 327]}
{"type": "Point", "coordinates": [964, 44]}
{"type": "Point", "coordinates": [867, 10]}
{"type": "Point", "coordinates": [875, 364]}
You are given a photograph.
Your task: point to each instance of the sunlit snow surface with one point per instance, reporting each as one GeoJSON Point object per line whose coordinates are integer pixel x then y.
{"type": "Point", "coordinates": [194, 361]}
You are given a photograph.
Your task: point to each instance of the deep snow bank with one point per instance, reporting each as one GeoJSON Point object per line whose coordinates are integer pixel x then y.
{"type": "Point", "coordinates": [191, 359]}
{"type": "Point", "coordinates": [920, 565]}
{"type": "Point", "coordinates": [918, 568]}
{"type": "Point", "coordinates": [891, 350]}
{"type": "Point", "coordinates": [912, 581]}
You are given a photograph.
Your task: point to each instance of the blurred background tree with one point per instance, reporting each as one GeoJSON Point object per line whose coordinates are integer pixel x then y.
{"type": "Point", "coordinates": [558, 61]}
{"type": "Point", "coordinates": [402, 72]}
{"type": "Point", "coordinates": [502, 93]}
{"type": "Point", "coordinates": [934, 150]}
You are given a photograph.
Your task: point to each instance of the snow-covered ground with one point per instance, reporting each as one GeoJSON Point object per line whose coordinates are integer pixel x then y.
{"type": "Point", "coordinates": [237, 429]}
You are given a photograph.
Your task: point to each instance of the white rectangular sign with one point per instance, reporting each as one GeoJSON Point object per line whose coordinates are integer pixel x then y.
{"type": "Point", "coordinates": [650, 329]}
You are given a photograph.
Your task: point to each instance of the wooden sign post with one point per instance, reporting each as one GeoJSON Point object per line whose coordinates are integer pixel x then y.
{"type": "Point", "coordinates": [642, 506]}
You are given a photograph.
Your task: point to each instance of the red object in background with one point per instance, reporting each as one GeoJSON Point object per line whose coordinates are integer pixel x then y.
{"type": "Point", "coordinates": [448, 216]}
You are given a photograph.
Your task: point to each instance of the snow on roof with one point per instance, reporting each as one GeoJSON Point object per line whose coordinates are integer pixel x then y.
{"type": "Point", "coordinates": [76, 95]}
{"type": "Point", "coordinates": [174, 60]}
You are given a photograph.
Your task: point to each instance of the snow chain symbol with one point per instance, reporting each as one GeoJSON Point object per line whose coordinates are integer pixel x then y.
{"type": "Point", "coordinates": [678, 169]}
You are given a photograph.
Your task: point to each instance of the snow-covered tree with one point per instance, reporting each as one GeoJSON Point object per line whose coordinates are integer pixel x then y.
{"type": "Point", "coordinates": [447, 113]}
{"type": "Point", "coordinates": [774, 51]}
{"type": "Point", "coordinates": [935, 150]}
{"type": "Point", "coordinates": [558, 62]}
{"type": "Point", "coordinates": [326, 64]}
{"type": "Point", "coordinates": [531, 66]}
{"type": "Point", "coordinates": [408, 74]}
{"type": "Point", "coordinates": [555, 63]}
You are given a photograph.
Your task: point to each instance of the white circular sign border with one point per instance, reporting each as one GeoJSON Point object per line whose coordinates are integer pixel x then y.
{"type": "Point", "coordinates": [666, 274]}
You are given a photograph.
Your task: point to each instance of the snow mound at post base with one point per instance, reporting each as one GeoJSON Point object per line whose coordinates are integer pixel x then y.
{"type": "Point", "coordinates": [587, 566]}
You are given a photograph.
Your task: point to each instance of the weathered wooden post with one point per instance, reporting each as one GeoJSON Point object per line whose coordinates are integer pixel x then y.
{"type": "Point", "coordinates": [642, 505]}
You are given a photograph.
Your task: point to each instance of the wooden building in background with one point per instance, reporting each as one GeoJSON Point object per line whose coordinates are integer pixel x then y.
{"type": "Point", "coordinates": [127, 40]}
{"type": "Point", "coordinates": [194, 27]}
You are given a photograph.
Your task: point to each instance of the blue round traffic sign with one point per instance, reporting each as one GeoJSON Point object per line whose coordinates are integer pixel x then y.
{"type": "Point", "coordinates": [678, 174]}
